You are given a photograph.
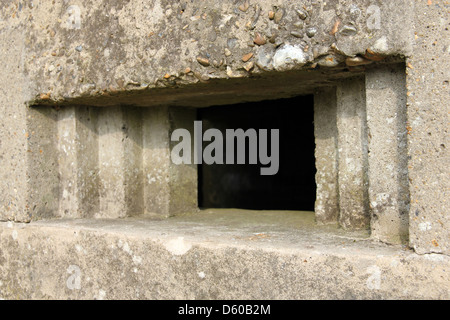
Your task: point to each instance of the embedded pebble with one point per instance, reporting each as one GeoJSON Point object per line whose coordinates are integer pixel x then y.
{"type": "Point", "coordinates": [203, 61]}
{"type": "Point", "coordinates": [381, 45]}
{"type": "Point", "coordinates": [79, 48]}
{"type": "Point", "coordinates": [229, 72]}
{"type": "Point", "coordinates": [335, 27]}
{"type": "Point", "coordinates": [319, 51]}
{"type": "Point", "coordinates": [288, 57]}
{"type": "Point", "coordinates": [264, 58]}
{"type": "Point", "coordinates": [311, 32]}
{"type": "Point", "coordinates": [302, 14]}
{"type": "Point", "coordinates": [357, 61]}
{"type": "Point", "coordinates": [371, 55]}
{"type": "Point", "coordinates": [255, 17]}
{"type": "Point", "coordinates": [271, 15]}
{"type": "Point", "coordinates": [297, 34]}
{"type": "Point", "coordinates": [279, 15]}
{"type": "Point", "coordinates": [329, 61]}
{"type": "Point", "coordinates": [231, 43]}
{"type": "Point", "coordinates": [348, 30]}
{"type": "Point", "coordinates": [244, 7]}
{"type": "Point", "coordinates": [249, 66]}
{"type": "Point", "coordinates": [273, 38]}
{"type": "Point", "coordinates": [247, 57]}
{"type": "Point", "coordinates": [259, 39]}
{"type": "Point", "coordinates": [227, 52]}
{"type": "Point", "coordinates": [44, 96]}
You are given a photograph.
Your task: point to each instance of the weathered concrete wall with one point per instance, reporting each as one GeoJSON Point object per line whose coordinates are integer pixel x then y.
{"type": "Point", "coordinates": [120, 161]}
{"type": "Point", "coordinates": [156, 160]}
{"type": "Point", "coordinates": [29, 186]}
{"type": "Point", "coordinates": [428, 84]}
{"type": "Point", "coordinates": [388, 156]}
{"type": "Point", "coordinates": [122, 54]}
{"type": "Point", "coordinates": [183, 178]}
{"type": "Point", "coordinates": [78, 162]}
{"type": "Point", "coordinates": [139, 259]}
{"type": "Point", "coordinates": [168, 53]}
{"type": "Point", "coordinates": [162, 43]}
{"type": "Point", "coordinates": [352, 148]}
{"type": "Point", "coordinates": [327, 156]}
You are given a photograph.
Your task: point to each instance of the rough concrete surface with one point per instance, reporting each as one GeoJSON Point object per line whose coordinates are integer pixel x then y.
{"type": "Point", "coordinates": [428, 109]}
{"type": "Point", "coordinates": [325, 131]}
{"type": "Point", "coordinates": [352, 148]}
{"type": "Point", "coordinates": [142, 45]}
{"type": "Point", "coordinates": [388, 156]}
{"type": "Point", "coordinates": [212, 255]}
{"type": "Point", "coordinates": [79, 140]}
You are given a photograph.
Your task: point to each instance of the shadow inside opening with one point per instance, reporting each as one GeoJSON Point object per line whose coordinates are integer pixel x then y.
{"type": "Point", "coordinates": [242, 186]}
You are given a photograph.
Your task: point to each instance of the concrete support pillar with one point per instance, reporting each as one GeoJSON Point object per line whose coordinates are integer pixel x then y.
{"type": "Point", "coordinates": [183, 178]}
{"type": "Point", "coordinates": [325, 131]}
{"type": "Point", "coordinates": [388, 156]}
{"type": "Point", "coordinates": [120, 162]}
{"type": "Point", "coordinates": [168, 188]}
{"type": "Point", "coordinates": [78, 162]}
{"type": "Point", "coordinates": [42, 192]}
{"type": "Point", "coordinates": [353, 160]}
{"type": "Point", "coordinates": [156, 160]}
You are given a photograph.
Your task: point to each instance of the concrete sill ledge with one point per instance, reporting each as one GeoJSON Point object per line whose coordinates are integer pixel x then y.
{"type": "Point", "coordinates": [213, 254]}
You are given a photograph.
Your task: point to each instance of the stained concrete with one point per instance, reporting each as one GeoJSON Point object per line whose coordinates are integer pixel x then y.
{"type": "Point", "coordinates": [210, 255]}
{"type": "Point", "coordinates": [388, 157]}
{"type": "Point", "coordinates": [189, 54]}
{"type": "Point", "coordinates": [327, 156]}
{"type": "Point", "coordinates": [156, 160]}
{"type": "Point", "coordinates": [164, 44]}
{"type": "Point", "coordinates": [428, 139]}
{"type": "Point", "coordinates": [352, 148]}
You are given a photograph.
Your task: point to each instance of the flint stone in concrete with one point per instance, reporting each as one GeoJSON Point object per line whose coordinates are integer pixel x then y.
{"type": "Point", "coordinates": [289, 57]}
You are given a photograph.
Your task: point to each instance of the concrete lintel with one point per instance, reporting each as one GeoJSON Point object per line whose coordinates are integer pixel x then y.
{"type": "Point", "coordinates": [88, 48]}
{"type": "Point", "coordinates": [222, 259]}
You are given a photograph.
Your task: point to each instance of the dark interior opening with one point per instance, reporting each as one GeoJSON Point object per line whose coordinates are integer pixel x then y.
{"type": "Point", "coordinates": [243, 186]}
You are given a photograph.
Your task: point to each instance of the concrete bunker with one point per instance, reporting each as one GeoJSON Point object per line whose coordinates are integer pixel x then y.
{"type": "Point", "coordinates": [380, 131]}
